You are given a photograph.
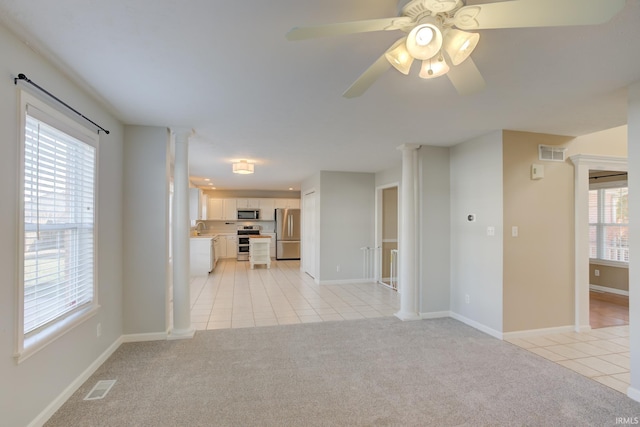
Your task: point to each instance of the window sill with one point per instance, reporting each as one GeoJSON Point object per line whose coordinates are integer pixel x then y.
{"type": "Point", "coordinates": [607, 263]}
{"type": "Point", "coordinates": [41, 339]}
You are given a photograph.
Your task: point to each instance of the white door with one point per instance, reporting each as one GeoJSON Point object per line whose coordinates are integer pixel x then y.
{"type": "Point", "coordinates": [309, 235]}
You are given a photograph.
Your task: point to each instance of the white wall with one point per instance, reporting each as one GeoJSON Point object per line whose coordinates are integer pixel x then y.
{"type": "Point", "coordinates": [434, 226]}
{"type": "Point", "coordinates": [634, 236]}
{"type": "Point", "coordinates": [146, 225]}
{"type": "Point", "coordinates": [347, 212]}
{"type": "Point", "coordinates": [389, 176]}
{"type": "Point", "coordinates": [26, 389]}
{"type": "Point", "coordinates": [476, 259]}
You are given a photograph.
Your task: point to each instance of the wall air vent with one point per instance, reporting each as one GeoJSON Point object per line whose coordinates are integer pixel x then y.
{"type": "Point", "coordinates": [551, 153]}
{"type": "Point", "coordinates": [100, 390]}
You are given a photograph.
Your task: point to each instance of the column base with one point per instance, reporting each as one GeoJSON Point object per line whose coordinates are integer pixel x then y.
{"type": "Point", "coordinates": [405, 316]}
{"type": "Point", "coordinates": [181, 334]}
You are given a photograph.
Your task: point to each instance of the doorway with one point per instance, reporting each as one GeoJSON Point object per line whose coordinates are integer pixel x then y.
{"type": "Point", "coordinates": [583, 165]}
{"type": "Point", "coordinates": [386, 269]}
{"type": "Point", "coordinates": [608, 249]}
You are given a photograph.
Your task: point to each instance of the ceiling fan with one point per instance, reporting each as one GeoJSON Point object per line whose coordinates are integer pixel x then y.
{"type": "Point", "coordinates": [435, 34]}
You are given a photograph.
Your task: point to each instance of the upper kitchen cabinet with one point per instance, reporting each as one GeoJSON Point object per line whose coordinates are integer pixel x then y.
{"type": "Point", "coordinates": [230, 209]}
{"type": "Point", "coordinates": [267, 207]}
{"type": "Point", "coordinates": [222, 210]}
{"type": "Point", "coordinates": [215, 210]}
{"type": "Point", "coordinates": [248, 203]}
{"type": "Point", "coordinates": [197, 204]}
{"type": "Point", "coordinates": [287, 203]}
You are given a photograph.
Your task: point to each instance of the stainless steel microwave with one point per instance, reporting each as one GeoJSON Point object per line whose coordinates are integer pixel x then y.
{"type": "Point", "coordinates": [248, 214]}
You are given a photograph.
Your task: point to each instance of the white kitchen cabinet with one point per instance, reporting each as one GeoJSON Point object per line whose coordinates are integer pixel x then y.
{"type": "Point", "coordinates": [201, 255]}
{"type": "Point", "coordinates": [222, 209]}
{"type": "Point", "coordinates": [248, 203]}
{"type": "Point", "coordinates": [288, 203]}
{"type": "Point", "coordinates": [217, 247]}
{"type": "Point", "coordinates": [230, 211]}
{"type": "Point", "coordinates": [232, 246]}
{"type": "Point", "coordinates": [214, 210]}
{"type": "Point", "coordinates": [221, 249]}
{"type": "Point", "coordinates": [267, 206]}
{"type": "Point", "coordinates": [197, 205]}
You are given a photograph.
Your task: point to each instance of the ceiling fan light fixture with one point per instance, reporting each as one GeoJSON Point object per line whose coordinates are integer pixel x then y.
{"type": "Point", "coordinates": [399, 57]}
{"type": "Point", "coordinates": [459, 44]}
{"type": "Point", "coordinates": [424, 41]}
{"type": "Point", "coordinates": [243, 167]}
{"type": "Point", "coordinates": [434, 67]}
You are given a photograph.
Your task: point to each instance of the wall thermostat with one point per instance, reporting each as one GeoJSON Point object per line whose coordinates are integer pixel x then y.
{"type": "Point", "coordinates": [471, 217]}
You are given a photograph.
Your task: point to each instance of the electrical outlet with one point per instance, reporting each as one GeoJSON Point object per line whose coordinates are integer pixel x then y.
{"type": "Point", "coordinates": [596, 273]}
{"type": "Point", "coordinates": [338, 268]}
{"type": "Point", "coordinates": [99, 330]}
{"type": "Point", "coordinates": [466, 298]}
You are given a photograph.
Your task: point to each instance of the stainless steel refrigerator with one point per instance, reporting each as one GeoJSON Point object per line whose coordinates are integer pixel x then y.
{"type": "Point", "coordinates": [287, 233]}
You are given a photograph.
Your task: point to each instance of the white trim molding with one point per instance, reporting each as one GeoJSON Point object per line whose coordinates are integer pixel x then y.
{"type": "Point", "coordinates": [57, 403]}
{"type": "Point", "coordinates": [633, 393]}
{"type": "Point", "coordinates": [608, 290]}
{"type": "Point", "coordinates": [582, 165]}
{"type": "Point", "coordinates": [478, 326]}
{"type": "Point", "coordinates": [345, 281]}
{"type": "Point", "coordinates": [435, 315]}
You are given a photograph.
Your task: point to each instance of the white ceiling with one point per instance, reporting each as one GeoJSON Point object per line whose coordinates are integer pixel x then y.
{"type": "Point", "coordinates": [225, 69]}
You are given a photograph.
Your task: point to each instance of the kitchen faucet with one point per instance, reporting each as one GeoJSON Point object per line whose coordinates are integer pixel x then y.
{"type": "Point", "coordinates": [198, 228]}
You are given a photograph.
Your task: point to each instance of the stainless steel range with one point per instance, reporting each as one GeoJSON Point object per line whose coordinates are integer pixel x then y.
{"type": "Point", "coordinates": [244, 232]}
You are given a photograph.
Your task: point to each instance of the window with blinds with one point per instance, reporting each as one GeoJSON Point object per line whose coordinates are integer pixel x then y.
{"type": "Point", "coordinates": [58, 222]}
{"type": "Point", "coordinates": [609, 224]}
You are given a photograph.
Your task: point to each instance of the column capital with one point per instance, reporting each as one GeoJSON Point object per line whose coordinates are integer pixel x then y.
{"type": "Point", "coordinates": [406, 147]}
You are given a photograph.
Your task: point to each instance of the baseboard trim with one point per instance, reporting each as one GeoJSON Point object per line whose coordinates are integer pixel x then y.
{"type": "Point", "coordinates": [435, 315]}
{"type": "Point", "coordinates": [537, 332]}
{"type": "Point", "coordinates": [633, 393]}
{"type": "Point", "coordinates": [477, 325]}
{"type": "Point", "coordinates": [57, 403]}
{"type": "Point", "coordinates": [345, 282]}
{"type": "Point", "coordinates": [152, 336]}
{"type": "Point", "coordinates": [608, 290]}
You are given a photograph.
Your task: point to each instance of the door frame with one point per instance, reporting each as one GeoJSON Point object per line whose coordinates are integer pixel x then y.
{"type": "Point", "coordinates": [377, 272]}
{"type": "Point", "coordinates": [583, 163]}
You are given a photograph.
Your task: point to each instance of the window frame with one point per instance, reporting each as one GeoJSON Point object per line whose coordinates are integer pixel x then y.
{"type": "Point", "coordinates": [30, 343]}
{"type": "Point", "coordinates": [599, 225]}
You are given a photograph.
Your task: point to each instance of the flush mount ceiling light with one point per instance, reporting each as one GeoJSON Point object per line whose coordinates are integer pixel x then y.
{"type": "Point", "coordinates": [434, 31]}
{"type": "Point", "coordinates": [243, 167]}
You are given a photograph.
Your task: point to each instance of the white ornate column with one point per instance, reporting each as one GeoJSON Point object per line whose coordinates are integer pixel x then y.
{"type": "Point", "coordinates": [407, 253]}
{"type": "Point", "coordinates": [180, 236]}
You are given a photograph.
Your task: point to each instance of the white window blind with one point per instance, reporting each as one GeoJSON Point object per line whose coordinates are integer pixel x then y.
{"type": "Point", "coordinates": [59, 217]}
{"type": "Point", "coordinates": [609, 224]}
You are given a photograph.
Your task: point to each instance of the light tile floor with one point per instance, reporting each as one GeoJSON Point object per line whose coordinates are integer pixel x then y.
{"type": "Point", "coordinates": [234, 296]}
{"type": "Point", "coordinates": [601, 354]}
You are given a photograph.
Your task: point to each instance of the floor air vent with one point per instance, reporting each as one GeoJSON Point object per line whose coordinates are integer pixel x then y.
{"type": "Point", "coordinates": [100, 390]}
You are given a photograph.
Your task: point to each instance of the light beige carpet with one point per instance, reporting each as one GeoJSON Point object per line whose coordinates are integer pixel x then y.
{"type": "Point", "coordinates": [375, 372]}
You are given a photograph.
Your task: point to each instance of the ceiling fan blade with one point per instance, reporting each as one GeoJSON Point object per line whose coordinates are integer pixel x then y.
{"type": "Point", "coordinates": [466, 78]}
{"type": "Point", "coordinates": [536, 13]}
{"type": "Point", "coordinates": [367, 78]}
{"type": "Point", "coordinates": [383, 24]}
